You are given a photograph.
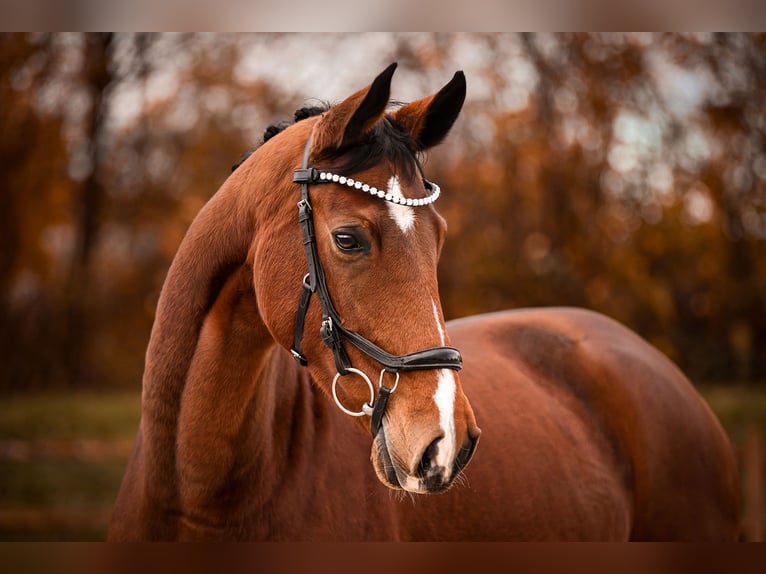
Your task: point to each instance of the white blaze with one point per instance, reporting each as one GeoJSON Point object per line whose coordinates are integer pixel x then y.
{"type": "Point", "coordinates": [403, 215]}
{"type": "Point", "coordinates": [445, 402]}
{"type": "Point", "coordinates": [444, 397]}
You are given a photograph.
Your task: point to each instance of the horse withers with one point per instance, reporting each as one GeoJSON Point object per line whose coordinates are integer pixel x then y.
{"type": "Point", "coordinates": [299, 336]}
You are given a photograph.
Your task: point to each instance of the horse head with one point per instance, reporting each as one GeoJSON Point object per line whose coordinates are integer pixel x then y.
{"type": "Point", "coordinates": [367, 246]}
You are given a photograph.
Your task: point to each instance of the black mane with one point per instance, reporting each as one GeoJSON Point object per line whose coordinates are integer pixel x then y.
{"type": "Point", "coordinates": [299, 115]}
{"type": "Point", "coordinates": [275, 129]}
{"type": "Point", "coordinates": [386, 141]}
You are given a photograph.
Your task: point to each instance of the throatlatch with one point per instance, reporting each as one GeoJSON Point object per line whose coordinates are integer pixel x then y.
{"type": "Point", "coordinates": [332, 330]}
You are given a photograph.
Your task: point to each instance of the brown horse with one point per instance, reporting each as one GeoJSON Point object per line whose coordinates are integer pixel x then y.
{"type": "Point", "coordinates": [588, 432]}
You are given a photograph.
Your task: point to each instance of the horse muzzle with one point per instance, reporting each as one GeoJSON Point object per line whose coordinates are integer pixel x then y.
{"type": "Point", "coordinates": [426, 472]}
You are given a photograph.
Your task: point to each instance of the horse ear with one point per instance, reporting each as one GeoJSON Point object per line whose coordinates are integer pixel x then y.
{"type": "Point", "coordinates": [349, 121]}
{"type": "Point", "coordinates": [429, 120]}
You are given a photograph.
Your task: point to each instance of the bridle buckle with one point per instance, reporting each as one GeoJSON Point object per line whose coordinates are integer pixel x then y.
{"type": "Point", "coordinates": [326, 330]}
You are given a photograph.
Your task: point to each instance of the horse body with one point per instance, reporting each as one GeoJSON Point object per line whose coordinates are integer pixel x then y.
{"type": "Point", "coordinates": [589, 432]}
{"type": "Point", "coordinates": [584, 440]}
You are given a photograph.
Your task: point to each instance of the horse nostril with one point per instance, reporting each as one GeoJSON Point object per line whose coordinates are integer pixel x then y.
{"type": "Point", "coordinates": [429, 455]}
{"type": "Point", "coordinates": [466, 452]}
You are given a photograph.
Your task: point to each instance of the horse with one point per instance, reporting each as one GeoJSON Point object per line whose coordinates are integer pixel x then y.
{"type": "Point", "coordinates": [262, 418]}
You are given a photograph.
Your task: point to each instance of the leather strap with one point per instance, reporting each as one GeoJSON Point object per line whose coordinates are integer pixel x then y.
{"type": "Point", "coordinates": [332, 330]}
{"type": "Point", "coordinates": [300, 320]}
{"type": "Point", "coordinates": [376, 419]}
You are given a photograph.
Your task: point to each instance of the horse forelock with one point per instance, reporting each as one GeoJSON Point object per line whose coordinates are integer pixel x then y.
{"type": "Point", "coordinates": [385, 144]}
{"type": "Point", "coordinates": [387, 141]}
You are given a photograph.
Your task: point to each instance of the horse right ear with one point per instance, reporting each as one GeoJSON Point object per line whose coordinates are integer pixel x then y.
{"type": "Point", "coordinates": [346, 123]}
{"type": "Point", "coordinates": [429, 120]}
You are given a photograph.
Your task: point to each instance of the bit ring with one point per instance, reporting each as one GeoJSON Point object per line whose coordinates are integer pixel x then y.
{"type": "Point", "coordinates": [369, 384]}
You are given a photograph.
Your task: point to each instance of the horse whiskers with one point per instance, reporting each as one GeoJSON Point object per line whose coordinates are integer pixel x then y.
{"type": "Point", "coordinates": [401, 495]}
{"type": "Point", "coordinates": [461, 480]}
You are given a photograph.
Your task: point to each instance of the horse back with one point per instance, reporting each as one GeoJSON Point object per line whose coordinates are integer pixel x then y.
{"type": "Point", "coordinates": [568, 391]}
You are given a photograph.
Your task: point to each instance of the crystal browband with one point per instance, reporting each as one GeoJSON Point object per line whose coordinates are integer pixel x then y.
{"type": "Point", "coordinates": [326, 176]}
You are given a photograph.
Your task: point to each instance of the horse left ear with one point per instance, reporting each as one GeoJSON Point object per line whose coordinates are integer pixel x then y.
{"type": "Point", "coordinates": [350, 120]}
{"type": "Point", "coordinates": [429, 120]}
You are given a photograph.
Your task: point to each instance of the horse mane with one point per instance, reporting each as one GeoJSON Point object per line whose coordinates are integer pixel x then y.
{"type": "Point", "coordinates": [386, 141]}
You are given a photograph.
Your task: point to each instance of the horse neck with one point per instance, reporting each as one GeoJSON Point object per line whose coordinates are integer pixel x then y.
{"type": "Point", "coordinates": [208, 351]}
{"type": "Point", "coordinates": [240, 384]}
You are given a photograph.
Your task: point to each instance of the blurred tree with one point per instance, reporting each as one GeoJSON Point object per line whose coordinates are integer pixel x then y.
{"type": "Point", "coordinates": [621, 172]}
{"type": "Point", "coordinates": [77, 333]}
{"type": "Point", "coordinates": [620, 198]}
{"type": "Point", "coordinates": [34, 188]}
{"type": "Point", "coordinates": [105, 163]}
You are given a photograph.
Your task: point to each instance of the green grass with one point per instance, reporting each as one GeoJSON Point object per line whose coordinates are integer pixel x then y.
{"type": "Point", "coordinates": [53, 486]}
{"type": "Point", "coordinates": [740, 408]}
{"type": "Point", "coordinates": [57, 499]}
{"type": "Point", "coordinates": [70, 416]}
{"type": "Point", "coordinates": [63, 483]}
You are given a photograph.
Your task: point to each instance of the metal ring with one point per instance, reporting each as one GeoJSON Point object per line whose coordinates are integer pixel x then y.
{"type": "Point", "coordinates": [366, 380]}
{"type": "Point", "coordinates": [396, 382]}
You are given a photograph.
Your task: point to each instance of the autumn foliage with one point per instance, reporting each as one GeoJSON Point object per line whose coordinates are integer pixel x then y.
{"type": "Point", "coordinates": [624, 173]}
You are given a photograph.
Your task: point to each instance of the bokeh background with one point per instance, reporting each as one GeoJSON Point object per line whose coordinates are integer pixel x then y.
{"type": "Point", "coordinates": [621, 172]}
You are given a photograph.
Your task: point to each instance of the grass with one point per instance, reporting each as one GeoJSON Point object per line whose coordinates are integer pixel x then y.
{"type": "Point", "coordinates": [740, 408]}
{"type": "Point", "coordinates": [57, 498]}
{"type": "Point", "coordinates": [70, 416]}
{"type": "Point", "coordinates": [64, 483]}
{"type": "Point", "coordinates": [62, 456]}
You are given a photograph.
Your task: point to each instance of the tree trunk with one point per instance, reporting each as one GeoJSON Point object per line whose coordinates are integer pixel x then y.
{"type": "Point", "coordinates": [78, 321]}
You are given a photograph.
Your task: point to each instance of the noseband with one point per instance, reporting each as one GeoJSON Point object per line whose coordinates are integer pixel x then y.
{"type": "Point", "coordinates": [332, 330]}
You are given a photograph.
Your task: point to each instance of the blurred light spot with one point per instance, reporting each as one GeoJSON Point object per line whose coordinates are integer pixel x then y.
{"type": "Point", "coordinates": [682, 90]}
{"type": "Point", "coordinates": [696, 146]}
{"type": "Point", "coordinates": [611, 182]}
{"type": "Point", "coordinates": [126, 106]}
{"type": "Point", "coordinates": [698, 207]}
{"type": "Point", "coordinates": [537, 246]}
{"type": "Point", "coordinates": [58, 241]}
{"type": "Point", "coordinates": [660, 178]}
{"type": "Point", "coordinates": [565, 101]}
{"type": "Point", "coordinates": [622, 158]}
{"type": "Point", "coordinates": [161, 85]}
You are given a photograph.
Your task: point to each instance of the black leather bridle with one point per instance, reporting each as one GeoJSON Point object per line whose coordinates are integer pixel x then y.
{"type": "Point", "coordinates": [332, 330]}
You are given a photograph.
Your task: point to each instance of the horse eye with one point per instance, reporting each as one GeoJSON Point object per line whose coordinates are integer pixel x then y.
{"type": "Point", "coordinates": [347, 242]}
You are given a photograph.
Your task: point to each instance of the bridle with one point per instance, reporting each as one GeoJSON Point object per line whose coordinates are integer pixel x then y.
{"type": "Point", "coordinates": [332, 330]}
